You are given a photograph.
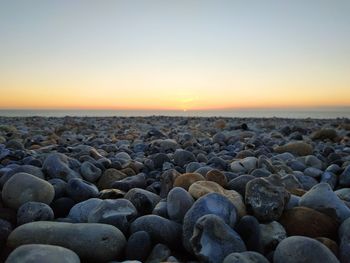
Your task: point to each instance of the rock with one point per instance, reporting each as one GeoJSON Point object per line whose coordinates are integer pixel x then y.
{"type": "Point", "coordinates": [143, 200]}
{"type": "Point", "coordinates": [179, 201]}
{"type": "Point", "coordinates": [119, 213]}
{"type": "Point", "coordinates": [239, 183]}
{"type": "Point", "coordinates": [332, 245]}
{"type": "Point", "coordinates": [29, 169]}
{"type": "Point", "coordinates": [303, 221]}
{"type": "Point", "coordinates": [159, 253]}
{"type": "Point", "coordinates": [161, 209]}
{"type": "Point", "coordinates": [111, 194]}
{"type": "Point", "coordinates": [60, 187]}
{"type": "Point", "coordinates": [344, 244]}
{"type": "Point", "coordinates": [297, 148]}
{"type": "Point", "coordinates": [249, 229]}
{"type": "Point", "coordinates": [312, 161]}
{"type": "Point", "coordinates": [187, 179]}
{"type": "Point", "coordinates": [213, 239]}
{"type": "Point", "coordinates": [298, 249]}
{"type": "Point", "coordinates": [201, 188]}
{"type": "Point", "coordinates": [109, 177]}
{"type": "Point", "coordinates": [313, 172]}
{"type": "Point", "coordinates": [245, 165]}
{"type": "Point", "coordinates": [245, 257]}
{"type": "Point", "coordinates": [36, 253]}
{"type": "Point", "coordinates": [212, 203]}
{"type": "Point", "coordinates": [344, 178]}
{"type": "Point", "coordinates": [265, 200]}
{"type": "Point", "coordinates": [329, 178]}
{"type": "Point", "coordinates": [220, 124]}
{"type": "Point", "coordinates": [323, 199]}
{"type": "Point", "coordinates": [139, 246]}
{"type": "Point", "coordinates": [183, 157]}
{"type": "Point", "coordinates": [80, 212]}
{"type": "Point", "coordinates": [343, 194]}
{"type": "Point", "coordinates": [159, 159]}
{"type": "Point", "coordinates": [160, 229]}
{"type": "Point", "coordinates": [306, 182]}
{"type": "Point", "coordinates": [96, 242]}
{"type": "Point", "coordinates": [324, 134]}
{"type": "Point", "coordinates": [271, 235]}
{"type": "Point", "coordinates": [56, 165]}
{"type": "Point", "coordinates": [166, 181]}
{"type": "Point", "coordinates": [136, 181]}
{"type": "Point", "coordinates": [90, 172]}
{"type": "Point", "coordinates": [217, 177]}
{"type": "Point", "coordinates": [23, 187]}
{"type": "Point", "coordinates": [34, 211]}
{"type": "Point", "coordinates": [80, 190]}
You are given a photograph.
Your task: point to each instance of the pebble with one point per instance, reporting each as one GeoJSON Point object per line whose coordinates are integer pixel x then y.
{"type": "Point", "coordinates": [42, 253]}
{"type": "Point", "coordinates": [23, 187]}
{"type": "Point", "coordinates": [90, 172]}
{"type": "Point", "coordinates": [139, 246]}
{"type": "Point", "coordinates": [143, 200]}
{"type": "Point", "coordinates": [34, 211]}
{"type": "Point", "coordinates": [245, 257]}
{"type": "Point", "coordinates": [80, 190]}
{"type": "Point", "coordinates": [96, 242]}
{"type": "Point", "coordinates": [179, 201]}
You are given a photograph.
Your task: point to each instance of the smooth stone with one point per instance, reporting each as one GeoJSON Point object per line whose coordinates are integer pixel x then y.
{"type": "Point", "coordinates": [36, 253]}
{"type": "Point", "coordinates": [183, 157]}
{"type": "Point", "coordinates": [293, 202]}
{"type": "Point", "coordinates": [343, 194]}
{"type": "Point", "coordinates": [62, 206]}
{"type": "Point", "coordinates": [95, 242]}
{"type": "Point", "coordinates": [290, 182]}
{"type": "Point", "coordinates": [249, 229]}
{"type": "Point", "coordinates": [307, 182]}
{"type": "Point", "coordinates": [118, 212]}
{"type": "Point", "coordinates": [179, 201]}
{"type": "Point", "coordinates": [201, 188]}
{"type": "Point", "coordinates": [108, 177]}
{"type": "Point", "coordinates": [139, 246]}
{"type": "Point", "coordinates": [187, 179]}
{"type": "Point", "coordinates": [161, 209]}
{"type": "Point", "coordinates": [23, 187]}
{"type": "Point", "coordinates": [29, 169]}
{"type": "Point", "coordinates": [213, 239]}
{"type": "Point", "coordinates": [193, 166]}
{"type": "Point", "coordinates": [299, 249]}
{"type": "Point", "coordinates": [217, 177]}
{"type": "Point", "coordinates": [322, 198]}
{"type": "Point", "coordinates": [111, 194]}
{"type": "Point", "coordinates": [167, 180]}
{"type": "Point", "coordinates": [245, 257]}
{"type": "Point", "coordinates": [60, 187]}
{"type": "Point", "coordinates": [344, 178]}
{"type": "Point", "coordinates": [159, 159]}
{"type": "Point", "coordinates": [313, 172]}
{"type": "Point", "coordinates": [271, 235]}
{"type": "Point", "coordinates": [90, 172]}
{"type": "Point", "coordinates": [296, 147]}
{"type": "Point", "coordinates": [265, 200]}
{"type": "Point", "coordinates": [323, 134]}
{"type": "Point", "coordinates": [330, 178]}
{"type": "Point", "coordinates": [80, 190]}
{"type": "Point", "coordinates": [56, 165]}
{"type": "Point", "coordinates": [136, 181]}
{"type": "Point", "coordinates": [34, 211]}
{"type": "Point", "coordinates": [344, 244]}
{"type": "Point", "coordinates": [312, 161]}
{"type": "Point", "coordinates": [212, 203]}
{"type": "Point", "coordinates": [79, 213]}
{"type": "Point", "coordinates": [239, 183]}
{"type": "Point", "coordinates": [332, 245]}
{"type": "Point", "coordinates": [160, 229]}
{"type": "Point", "coordinates": [204, 170]}
{"type": "Point", "coordinates": [143, 200]}
{"type": "Point", "coordinates": [159, 253]}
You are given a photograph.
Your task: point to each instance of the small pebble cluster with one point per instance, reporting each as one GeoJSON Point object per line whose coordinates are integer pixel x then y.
{"type": "Point", "coordinates": [174, 189]}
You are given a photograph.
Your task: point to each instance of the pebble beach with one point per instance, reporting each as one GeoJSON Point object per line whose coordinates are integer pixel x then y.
{"type": "Point", "coordinates": [174, 189]}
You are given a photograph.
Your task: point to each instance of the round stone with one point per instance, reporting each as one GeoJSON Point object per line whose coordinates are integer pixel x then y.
{"type": "Point", "coordinates": [143, 200]}
{"type": "Point", "coordinates": [42, 253]}
{"type": "Point", "coordinates": [217, 177]}
{"type": "Point", "coordinates": [80, 190]}
{"type": "Point", "coordinates": [298, 249]}
{"type": "Point", "coordinates": [23, 187]}
{"type": "Point", "coordinates": [34, 211]}
{"type": "Point", "coordinates": [245, 257]}
{"type": "Point", "coordinates": [178, 203]}
{"type": "Point", "coordinates": [90, 172]}
{"type": "Point", "coordinates": [96, 242]}
{"type": "Point", "coordinates": [139, 246]}
{"type": "Point", "coordinates": [187, 179]}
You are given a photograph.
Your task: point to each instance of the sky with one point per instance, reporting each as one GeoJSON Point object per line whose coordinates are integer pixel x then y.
{"type": "Point", "coordinates": [174, 55]}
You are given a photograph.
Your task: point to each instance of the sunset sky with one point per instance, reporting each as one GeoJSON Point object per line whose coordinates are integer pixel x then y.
{"type": "Point", "coordinates": [178, 54]}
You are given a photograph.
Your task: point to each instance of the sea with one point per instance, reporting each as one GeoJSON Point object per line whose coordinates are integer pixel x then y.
{"type": "Point", "coordinates": [300, 113]}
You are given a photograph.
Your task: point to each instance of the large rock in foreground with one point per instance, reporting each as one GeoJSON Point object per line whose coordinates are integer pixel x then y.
{"type": "Point", "coordinates": [92, 242]}
{"type": "Point", "coordinates": [299, 249]}
{"type": "Point", "coordinates": [42, 253]}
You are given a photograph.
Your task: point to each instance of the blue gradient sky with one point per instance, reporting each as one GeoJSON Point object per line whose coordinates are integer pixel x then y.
{"type": "Point", "coordinates": [174, 54]}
